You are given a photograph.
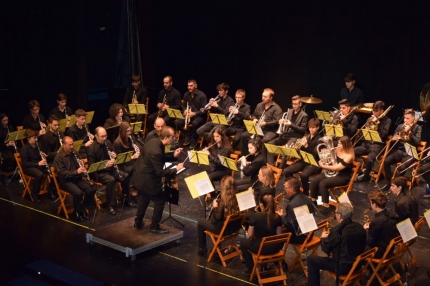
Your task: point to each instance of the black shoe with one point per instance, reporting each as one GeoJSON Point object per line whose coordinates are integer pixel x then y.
{"type": "Point", "coordinates": [193, 144]}
{"type": "Point", "coordinates": [362, 178]}
{"type": "Point", "coordinates": [35, 198]}
{"type": "Point", "coordinates": [386, 188]}
{"type": "Point", "coordinates": [138, 225]}
{"type": "Point", "coordinates": [52, 193]}
{"type": "Point", "coordinates": [111, 211]}
{"type": "Point", "coordinates": [158, 230]}
{"type": "Point", "coordinates": [187, 141]}
{"type": "Point", "coordinates": [84, 214]}
{"type": "Point", "coordinates": [248, 271]}
{"type": "Point", "coordinates": [130, 204]}
{"type": "Point", "coordinates": [78, 217]}
{"type": "Point", "coordinates": [202, 251]}
{"type": "Point", "coordinates": [325, 211]}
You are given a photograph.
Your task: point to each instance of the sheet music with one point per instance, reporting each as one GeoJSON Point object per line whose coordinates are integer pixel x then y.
{"type": "Point", "coordinates": [427, 216]}
{"type": "Point", "coordinates": [344, 198]}
{"type": "Point", "coordinates": [301, 211]}
{"type": "Point", "coordinates": [167, 165]}
{"type": "Point", "coordinates": [203, 186]}
{"type": "Point", "coordinates": [307, 223]}
{"type": "Point", "coordinates": [173, 166]}
{"type": "Point", "coordinates": [245, 200]}
{"type": "Point", "coordinates": [407, 230]}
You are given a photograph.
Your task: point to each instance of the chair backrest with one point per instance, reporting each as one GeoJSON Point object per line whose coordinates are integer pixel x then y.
{"type": "Point", "coordinates": [55, 177]}
{"type": "Point", "coordinates": [235, 157]}
{"type": "Point", "coordinates": [229, 220]}
{"type": "Point", "coordinates": [359, 267]}
{"type": "Point", "coordinates": [277, 172]}
{"type": "Point", "coordinates": [18, 162]}
{"type": "Point", "coordinates": [276, 239]}
{"type": "Point", "coordinates": [389, 254]}
{"type": "Point", "coordinates": [388, 143]}
{"type": "Point", "coordinates": [419, 224]}
{"type": "Point", "coordinates": [355, 169]}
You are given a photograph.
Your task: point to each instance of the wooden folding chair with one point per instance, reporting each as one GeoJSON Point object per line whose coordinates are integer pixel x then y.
{"type": "Point", "coordinates": [376, 173]}
{"type": "Point", "coordinates": [346, 188]}
{"type": "Point", "coordinates": [17, 129]}
{"type": "Point", "coordinates": [311, 243]}
{"type": "Point", "coordinates": [235, 157]}
{"type": "Point", "coordinates": [385, 263]}
{"type": "Point", "coordinates": [411, 180]}
{"type": "Point", "coordinates": [27, 179]}
{"type": "Point", "coordinates": [277, 258]}
{"type": "Point", "coordinates": [231, 250]}
{"type": "Point", "coordinates": [276, 172]}
{"type": "Point", "coordinates": [411, 258]}
{"type": "Point", "coordinates": [66, 208]}
{"type": "Point", "coordinates": [358, 269]}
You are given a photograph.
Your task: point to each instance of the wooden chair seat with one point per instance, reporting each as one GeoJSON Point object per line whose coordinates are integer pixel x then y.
{"type": "Point", "coordinates": [276, 258]}
{"type": "Point", "coordinates": [65, 207]}
{"type": "Point", "coordinates": [27, 180]}
{"type": "Point", "coordinates": [346, 188]}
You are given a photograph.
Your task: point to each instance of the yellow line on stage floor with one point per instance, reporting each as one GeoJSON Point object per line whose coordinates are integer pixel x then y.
{"type": "Point", "coordinates": [235, 278]}
{"type": "Point", "coordinates": [51, 215]}
{"type": "Point", "coordinates": [183, 260]}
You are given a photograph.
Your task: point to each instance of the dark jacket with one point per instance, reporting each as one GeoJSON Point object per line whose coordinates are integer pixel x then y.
{"type": "Point", "coordinates": [381, 230]}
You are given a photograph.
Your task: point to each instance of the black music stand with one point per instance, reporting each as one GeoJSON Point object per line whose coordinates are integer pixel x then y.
{"type": "Point", "coordinates": [171, 196]}
{"type": "Point", "coordinates": [112, 132]}
{"type": "Point", "coordinates": [95, 167]}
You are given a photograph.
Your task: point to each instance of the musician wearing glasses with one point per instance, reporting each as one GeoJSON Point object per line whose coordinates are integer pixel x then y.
{"type": "Point", "coordinates": [346, 118]}
{"type": "Point", "coordinates": [372, 149]}
{"type": "Point", "coordinates": [196, 101]}
{"type": "Point", "coordinates": [338, 174]}
{"type": "Point", "coordinates": [219, 105]}
{"type": "Point", "coordinates": [291, 127]}
{"type": "Point", "coordinates": [168, 97]}
{"type": "Point", "coordinates": [51, 142]}
{"type": "Point", "coordinates": [237, 113]}
{"type": "Point", "coordinates": [71, 170]}
{"type": "Point", "coordinates": [267, 115]}
{"type": "Point", "coordinates": [250, 164]}
{"type": "Point", "coordinates": [100, 150]}
{"type": "Point", "coordinates": [80, 131]}
{"type": "Point", "coordinates": [408, 132]}
{"type": "Point", "coordinates": [125, 142]}
{"type": "Point", "coordinates": [405, 205]}
{"type": "Point", "coordinates": [61, 111]}
{"type": "Point", "coordinates": [35, 120]}
{"type": "Point", "coordinates": [7, 149]}
{"type": "Point", "coordinates": [136, 94]}
{"type": "Point", "coordinates": [308, 144]}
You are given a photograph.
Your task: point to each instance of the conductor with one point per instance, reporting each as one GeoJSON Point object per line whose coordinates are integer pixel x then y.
{"type": "Point", "coordinates": [147, 176]}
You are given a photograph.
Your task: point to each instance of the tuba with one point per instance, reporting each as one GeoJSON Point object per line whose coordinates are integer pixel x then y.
{"type": "Point", "coordinates": [326, 152]}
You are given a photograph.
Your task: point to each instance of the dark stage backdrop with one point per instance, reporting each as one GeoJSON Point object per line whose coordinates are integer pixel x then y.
{"type": "Point", "coordinates": [294, 47]}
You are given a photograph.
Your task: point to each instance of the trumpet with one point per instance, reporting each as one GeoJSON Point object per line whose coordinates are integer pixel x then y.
{"type": "Point", "coordinates": [282, 128]}
{"type": "Point", "coordinates": [208, 106]}
{"type": "Point", "coordinates": [160, 110]}
{"type": "Point", "coordinates": [262, 117]}
{"type": "Point", "coordinates": [81, 164]}
{"type": "Point", "coordinates": [44, 158]}
{"type": "Point", "coordinates": [115, 166]}
{"type": "Point", "coordinates": [187, 116]}
{"type": "Point", "coordinates": [231, 114]}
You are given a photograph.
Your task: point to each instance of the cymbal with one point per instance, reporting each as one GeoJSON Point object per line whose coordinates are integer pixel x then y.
{"type": "Point", "coordinates": [311, 100]}
{"type": "Point", "coordinates": [368, 104]}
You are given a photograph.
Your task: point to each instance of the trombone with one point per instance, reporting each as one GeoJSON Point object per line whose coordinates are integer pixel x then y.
{"type": "Point", "coordinates": [415, 163]}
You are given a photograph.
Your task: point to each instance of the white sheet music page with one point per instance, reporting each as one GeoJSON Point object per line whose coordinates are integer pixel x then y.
{"type": "Point", "coordinates": [307, 223]}
{"type": "Point", "coordinates": [344, 198]}
{"type": "Point", "coordinates": [245, 200]}
{"type": "Point", "coordinates": [203, 186]}
{"type": "Point", "coordinates": [301, 211]}
{"type": "Point", "coordinates": [407, 230]}
{"type": "Point", "coordinates": [427, 216]}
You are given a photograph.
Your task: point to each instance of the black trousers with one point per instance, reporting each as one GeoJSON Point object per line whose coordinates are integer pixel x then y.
{"type": "Point", "coordinates": [394, 157]}
{"type": "Point", "coordinates": [9, 163]}
{"type": "Point", "coordinates": [237, 132]}
{"type": "Point", "coordinates": [38, 174]}
{"type": "Point", "coordinates": [307, 171]}
{"type": "Point", "coordinates": [203, 225]}
{"type": "Point", "coordinates": [317, 263]}
{"type": "Point", "coordinates": [205, 129]}
{"type": "Point", "coordinates": [243, 184]}
{"type": "Point", "coordinates": [142, 205]}
{"type": "Point", "coordinates": [78, 188]}
{"type": "Point", "coordinates": [245, 136]}
{"type": "Point", "coordinates": [323, 183]}
{"type": "Point", "coordinates": [109, 179]}
{"type": "Point", "coordinates": [196, 121]}
{"type": "Point", "coordinates": [371, 150]}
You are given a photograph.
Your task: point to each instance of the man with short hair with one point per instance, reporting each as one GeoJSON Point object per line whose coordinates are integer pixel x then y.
{"type": "Point", "coordinates": [158, 125]}
{"type": "Point", "coordinates": [297, 199]}
{"type": "Point", "coordinates": [351, 93]}
{"type": "Point", "coordinates": [136, 94]}
{"type": "Point", "coordinates": [51, 142]}
{"type": "Point", "coordinates": [147, 177]}
{"type": "Point", "coordinates": [343, 117]}
{"type": "Point", "coordinates": [100, 150]}
{"type": "Point", "coordinates": [70, 176]}
{"type": "Point", "coordinates": [35, 120]}
{"type": "Point", "coordinates": [80, 131]}
{"type": "Point", "coordinates": [382, 229]}
{"type": "Point", "coordinates": [344, 242]}
{"type": "Point", "coordinates": [61, 110]}
{"type": "Point", "coordinates": [405, 205]}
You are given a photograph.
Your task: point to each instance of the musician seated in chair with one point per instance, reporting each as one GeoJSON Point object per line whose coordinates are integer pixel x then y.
{"type": "Point", "coordinates": [372, 149]}
{"type": "Point", "coordinates": [80, 131]}
{"type": "Point", "coordinates": [346, 118]}
{"type": "Point", "coordinates": [338, 174]}
{"type": "Point", "coordinates": [297, 199]}
{"type": "Point", "coordinates": [408, 132]}
{"type": "Point", "coordinates": [226, 205]}
{"type": "Point", "coordinates": [292, 126]}
{"type": "Point", "coordinates": [61, 111]}
{"type": "Point", "coordinates": [352, 239]}
{"type": "Point", "coordinates": [118, 114]}
{"type": "Point", "coordinates": [136, 94]}
{"type": "Point", "coordinates": [382, 229]}
{"type": "Point", "coordinates": [51, 142]}
{"type": "Point", "coordinates": [251, 164]}
{"type": "Point", "coordinates": [405, 205]}
{"type": "Point", "coordinates": [308, 144]}
{"type": "Point", "coordinates": [70, 176]}
{"type": "Point", "coordinates": [125, 142]}
{"type": "Point", "coordinates": [264, 223]}
{"type": "Point", "coordinates": [35, 120]}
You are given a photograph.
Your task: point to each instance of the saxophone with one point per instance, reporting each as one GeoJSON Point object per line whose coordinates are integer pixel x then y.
{"type": "Point", "coordinates": [327, 154]}
{"type": "Point", "coordinates": [366, 216]}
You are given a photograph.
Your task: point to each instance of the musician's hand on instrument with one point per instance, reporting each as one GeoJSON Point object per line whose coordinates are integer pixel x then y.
{"type": "Point", "coordinates": [280, 212]}
{"type": "Point", "coordinates": [165, 107]}
{"type": "Point", "coordinates": [135, 101]}
{"type": "Point", "coordinates": [287, 122]}
{"type": "Point", "coordinates": [325, 234]}
{"type": "Point", "coordinates": [135, 156]}
{"type": "Point", "coordinates": [88, 143]}
{"type": "Point", "coordinates": [177, 152]}
{"type": "Point", "coordinates": [262, 124]}
{"type": "Point", "coordinates": [10, 143]}
{"type": "Point", "coordinates": [180, 166]}
{"type": "Point", "coordinates": [281, 121]}
{"type": "Point", "coordinates": [112, 154]}
{"type": "Point", "coordinates": [395, 137]}
{"type": "Point", "coordinates": [215, 204]}
{"type": "Point", "coordinates": [110, 163]}
{"type": "Point", "coordinates": [42, 132]}
{"type": "Point", "coordinates": [255, 121]}
{"type": "Point", "coordinates": [366, 225]}
{"type": "Point", "coordinates": [206, 151]}
{"type": "Point", "coordinates": [42, 163]}
{"type": "Point", "coordinates": [81, 170]}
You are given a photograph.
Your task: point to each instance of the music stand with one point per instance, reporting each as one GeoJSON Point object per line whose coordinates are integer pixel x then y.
{"type": "Point", "coordinates": [228, 163]}
{"type": "Point", "coordinates": [371, 135]}
{"type": "Point", "coordinates": [245, 200]}
{"type": "Point", "coordinates": [174, 113]}
{"type": "Point", "coordinates": [63, 124]}
{"type": "Point", "coordinates": [323, 115]}
{"type": "Point", "coordinates": [15, 135]}
{"type": "Point", "coordinates": [88, 118]}
{"type": "Point", "coordinates": [275, 149]}
{"type": "Point", "coordinates": [198, 157]}
{"type": "Point", "coordinates": [291, 152]}
{"type": "Point", "coordinates": [171, 196]}
{"type": "Point", "coordinates": [218, 118]}
{"type": "Point", "coordinates": [137, 108]}
{"type": "Point", "coordinates": [112, 132]}
{"type": "Point", "coordinates": [123, 157]}
{"type": "Point", "coordinates": [309, 158]}
{"type": "Point", "coordinates": [199, 185]}
{"type": "Point", "coordinates": [136, 126]}
{"type": "Point", "coordinates": [253, 128]}
{"type": "Point", "coordinates": [331, 129]}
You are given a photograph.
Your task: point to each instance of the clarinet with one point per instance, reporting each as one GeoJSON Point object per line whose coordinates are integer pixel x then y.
{"type": "Point", "coordinates": [44, 158]}
{"type": "Point", "coordinates": [82, 165]}
{"type": "Point", "coordinates": [212, 208]}
{"type": "Point", "coordinates": [59, 138]}
{"type": "Point", "coordinates": [40, 122]}
{"type": "Point", "coordinates": [88, 132]}
{"type": "Point", "coordinates": [115, 166]}
{"type": "Point", "coordinates": [136, 148]}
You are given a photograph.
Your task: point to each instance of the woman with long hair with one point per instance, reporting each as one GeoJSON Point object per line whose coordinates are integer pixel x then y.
{"type": "Point", "coordinates": [117, 115]}
{"type": "Point", "coordinates": [226, 205]}
{"type": "Point", "coordinates": [345, 158]}
{"type": "Point", "coordinates": [265, 183]}
{"type": "Point", "coordinates": [261, 224]}
{"type": "Point", "coordinates": [251, 164]}
{"type": "Point", "coordinates": [126, 143]}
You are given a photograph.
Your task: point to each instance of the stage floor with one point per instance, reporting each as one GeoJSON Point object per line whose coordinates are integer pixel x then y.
{"type": "Point", "coordinates": [33, 231]}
